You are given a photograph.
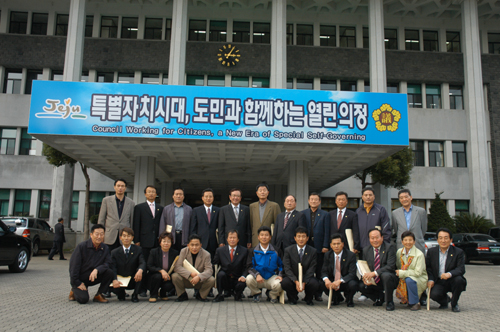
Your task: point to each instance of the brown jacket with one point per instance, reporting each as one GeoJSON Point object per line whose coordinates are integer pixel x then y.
{"type": "Point", "coordinates": [270, 214]}
{"type": "Point", "coordinates": [203, 264]}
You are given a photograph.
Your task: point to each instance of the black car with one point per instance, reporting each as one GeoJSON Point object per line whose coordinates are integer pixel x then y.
{"type": "Point", "coordinates": [478, 247]}
{"type": "Point", "coordinates": [15, 250]}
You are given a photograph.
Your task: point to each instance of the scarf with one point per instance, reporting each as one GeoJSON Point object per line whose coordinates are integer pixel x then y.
{"type": "Point", "coordinates": [401, 291]}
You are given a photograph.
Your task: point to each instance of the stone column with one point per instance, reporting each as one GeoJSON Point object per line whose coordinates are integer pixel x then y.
{"type": "Point", "coordinates": [278, 45]}
{"type": "Point", "coordinates": [177, 62]}
{"type": "Point", "coordinates": [298, 182]}
{"type": "Point", "coordinates": [74, 42]}
{"type": "Point", "coordinates": [144, 175]}
{"type": "Point", "coordinates": [479, 168]}
{"type": "Point", "coordinates": [383, 197]}
{"type": "Point", "coordinates": [167, 191]}
{"type": "Point", "coordinates": [378, 81]}
{"type": "Point", "coordinates": [62, 194]}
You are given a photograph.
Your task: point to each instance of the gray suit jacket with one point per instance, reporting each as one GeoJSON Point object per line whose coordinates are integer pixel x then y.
{"type": "Point", "coordinates": [168, 218]}
{"type": "Point", "coordinates": [418, 226]}
{"type": "Point", "coordinates": [108, 216]}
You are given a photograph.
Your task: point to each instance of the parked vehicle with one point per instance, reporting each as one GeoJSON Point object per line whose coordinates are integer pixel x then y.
{"type": "Point", "coordinates": [37, 230]}
{"type": "Point", "coordinates": [478, 247]}
{"type": "Point", "coordinates": [15, 250]}
{"type": "Point", "coordinates": [430, 241]}
{"type": "Point", "coordinates": [494, 232]}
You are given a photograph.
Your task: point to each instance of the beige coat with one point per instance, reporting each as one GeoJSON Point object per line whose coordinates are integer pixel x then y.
{"type": "Point", "coordinates": [270, 214]}
{"type": "Point", "coordinates": [203, 264]}
{"type": "Point", "coordinates": [416, 270]}
{"type": "Point", "coordinates": [108, 216]}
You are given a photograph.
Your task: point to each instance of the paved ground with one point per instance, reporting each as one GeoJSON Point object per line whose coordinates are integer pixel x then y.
{"type": "Point", "coordinates": [37, 300]}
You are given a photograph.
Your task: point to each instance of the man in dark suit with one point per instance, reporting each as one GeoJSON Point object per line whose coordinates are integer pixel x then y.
{"type": "Point", "coordinates": [235, 216]}
{"type": "Point", "coordinates": [381, 259]}
{"type": "Point", "coordinates": [146, 228]}
{"type": "Point", "coordinates": [446, 269]}
{"type": "Point", "coordinates": [59, 240]}
{"type": "Point", "coordinates": [232, 260]}
{"type": "Point", "coordinates": [128, 261]}
{"type": "Point", "coordinates": [204, 222]}
{"type": "Point", "coordinates": [306, 256]}
{"type": "Point", "coordinates": [285, 225]}
{"type": "Point", "coordinates": [159, 263]}
{"type": "Point", "coordinates": [341, 218]}
{"type": "Point", "coordinates": [318, 226]}
{"type": "Point", "coordinates": [339, 271]}
{"type": "Point", "coordinates": [175, 219]}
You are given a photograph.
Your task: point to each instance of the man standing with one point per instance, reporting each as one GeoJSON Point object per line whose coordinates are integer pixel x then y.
{"type": "Point", "coordinates": [306, 256]}
{"type": "Point", "coordinates": [286, 223]}
{"type": "Point", "coordinates": [409, 218]}
{"type": "Point", "coordinates": [117, 212]}
{"type": "Point", "coordinates": [178, 216]}
{"type": "Point", "coordinates": [339, 272]}
{"type": "Point", "coordinates": [182, 278]}
{"type": "Point", "coordinates": [128, 261]}
{"type": "Point", "coordinates": [232, 260]}
{"type": "Point", "coordinates": [262, 213]}
{"type": "Point", "coordinates": [446, 269]}
{"type": "Point", "coordinates": [341, 218]}
{"type": "Point", "coordinates": [59, 240]}
{"type": "Point", "coordinates": [265, 268]}
{"type": "Point", "coordinates": [381, 259]}
{"type": "Point", "coordinates": [370, 215]}
{"type": "Point", "coordinates": [90, 265]}
{"type": "Point", "coordinates": [204, 222]}
{"type": "Point", "coordinates": [235, 216]}
{"type": "Point", "coordinates": [318, 225]}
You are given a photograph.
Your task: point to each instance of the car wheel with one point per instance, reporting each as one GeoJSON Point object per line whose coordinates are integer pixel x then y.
{"type": "Point", "coordinates": [36, 248]}
{"type": "Point", "coordinates": [495, 261]}
{"type": "Point", "coordinates": [21, 262]}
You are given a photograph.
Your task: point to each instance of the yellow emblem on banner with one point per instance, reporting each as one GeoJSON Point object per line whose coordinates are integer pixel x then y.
{"type": "Point", "coordinates": [386, 118]}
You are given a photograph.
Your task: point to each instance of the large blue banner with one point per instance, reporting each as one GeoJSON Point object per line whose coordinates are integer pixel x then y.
{"type": "Point", "coordinates": [216, 113]}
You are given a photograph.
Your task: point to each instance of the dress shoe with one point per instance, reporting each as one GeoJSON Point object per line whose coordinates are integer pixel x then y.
{"type": "Point", "coordinates": [71, 296]}
{"type": "Point", "coordinates": [171, 293]}
{"type": "Point", "coordinates": [389, 306]}
{"type": "Point", "coordinates": [106, 294]}
{"type": "Point", "coordinates": [423, 303]}
{"type": "Point", "coordinates": [335, 301]}
{"type": "Point", "coordinates": [218, 298]}
{"type": "Point", "coordinates": [238, 297]}
{"type": "Point", "coordinates": [310, 302]}
{"type": "Point", "coordinates": [256, 298]}
{"type": "Point", "coordinates": [416, 307]}
{"type": "Point", "coordinates": [199, 298]}
{"type": "Point", "coordinates": [378, 303]}
{"type": "Point", "coordinates": [183, 297]}
{"type": "Point", "coordinates": [350, 303]}
{"type": "Point", "coordinates": [143, 294]}
{"type": "Point", "coordinates": [267, 294]}
{"type": "Point", "coordinates": [121, 298]}
{"type": "Point", "coordinates": [455, 308]}
{"type": "Point", "coordinates": [227, 294]}
{"type": "Point", "coordinates": [211, 293]}
{"type": "Point", "coordinates": [445, 305]}
{"type": "Point", "coordinates": [100, 298]}
{"type": "Point", "coordinates": [135, 298]}
{"type": "Point", "coordinates": [273, 301]}
{"type": "Point", "coordinates": [62, 259]}
{"type": "Point", "coordinates": [341, 298]}
{"type": "Point", "coordinates": [50, 259]}
{"type": "Point", "coordinates": [152, 299]}
{"type": "Point", "coordinates": [292, 302]}
{"type": "Point", "coordinates": [164, 298]}
{"type": "Point", "coordinates": [318, 298]}
{"type": "Point", "coordinates": [243, 296]}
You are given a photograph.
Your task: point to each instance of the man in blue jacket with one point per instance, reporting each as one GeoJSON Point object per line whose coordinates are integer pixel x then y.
{"type": "Point", "coordinates": [264, 268]}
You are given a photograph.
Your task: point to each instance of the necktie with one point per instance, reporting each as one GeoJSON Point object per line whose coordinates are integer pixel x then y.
{"type": "Point", "coordinates": [152, 207]}
{"type": "Point", "coordinates": [339, 220]}
{"type": "Point", "coordinates": [287, 216]}
{"type": "Point", "coordinates": [127, 252]}
{"type": "Point", "coordinates": [337, 269]}
{"type": "Point", "coordinates": [231, 254]}
{"type": "Point", "coordinates": [377, 264]}
{"type": "Point", "coordinates": [236, 213]}
{"type": "Point", "coordinates": [208, 215]}
{"type": "Point", "coordinates": [301, 254]}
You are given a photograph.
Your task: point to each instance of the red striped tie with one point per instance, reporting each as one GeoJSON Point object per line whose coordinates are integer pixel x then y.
{"type": "Point", "coordinates": [377, 264]}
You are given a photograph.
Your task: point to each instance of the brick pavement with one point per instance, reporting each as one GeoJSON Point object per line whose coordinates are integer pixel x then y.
{"type": "Point", "coordinates": [37, 300]}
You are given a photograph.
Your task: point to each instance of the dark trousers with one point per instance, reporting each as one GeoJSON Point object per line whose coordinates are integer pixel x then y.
{"type": "Point", "coordinates": [290, 288]}
{"type": "Point", "coordinates": [388, 282]}
{"type": "Point", "coordinates": [455, 285]}
{"type": "Point", "coordinates": [104, 279]}
{"type": "Point", "coordinates": [319, 266]}
{"type": "Point", "coordinates": [349, 289]}
{"type": "Point", "coordinates": [146, 279]}
{"type": "Point", "coordinates": [229, 283]}
{"type": "Point", "coordinates": [178, 242]}
{"type": "Point", "coordinates": [120, 292]}
{"type": "Point", "coordinates": [57, 246]}
{"type": "Point", "coordinates": [158, 283]}
{"type": "Point", "coordinates": [116, 244]}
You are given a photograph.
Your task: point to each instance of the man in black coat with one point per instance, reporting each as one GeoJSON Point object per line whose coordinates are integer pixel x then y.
{"type": "Point", "coordinates": [232, 260]}
{"type": "Point", "coordinates": [159, 263]}
{"type": "Point", "coordinates": [235, 216]}
{"type": "Point", "coordinates": [205, 226]}
{"type": "Point", "coordinates": [446, 269]}
{"type": "Point", "coordinates": [306, 256]}
{"type": "Point", "coordinates": [383, 270]}
{"type": "Point", "coordinates": [342, 218]}
{"type": "Point", "coordinates": [285, 225]}
{"type": "Point", "coordinates": [128, 261]}
{"type": "Point", "coordinates": [59, 240]}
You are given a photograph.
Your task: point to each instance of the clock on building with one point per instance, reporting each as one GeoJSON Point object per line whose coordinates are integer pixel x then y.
{"type": "Point", "coordinates": [228, 55]}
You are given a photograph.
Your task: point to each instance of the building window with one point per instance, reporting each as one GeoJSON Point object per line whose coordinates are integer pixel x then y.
{"type": "Point", "coordinates": [150, 79]}
{"type": "Point", "coordinates": [412, 40]}
{"type": "Point", "coordinates": [7, 140]}
{"type": "Point", "coordinates": [57, 75]}
{"type": "Point", "coordinates": [459, 154]}
{"type": "Point", "coordinates": [366, 87]}
{"type": "Point", "coordinates": [197, 30]}
{"type": "Point", "coordinates": [195, 80]}
{"type": "Point", "coordinates": [125, 77]}
{"type": "Point", "coordinates": [260, 82]}
{"type": "Point", "coordinates": [304, 34]}
{"type": "Point", "coordinates": [18, 22]}
{"type": "Point", "coordinates": [430, 41]}
{"type": "Point", "coordinates": [4, 202]}
{"type": "Point", "coordinates": [414, 96]}
{"type": "Point", "coordinates": [22, 202]}
{"type": "Point", "coordinates": [129, 27]}
{"type": "Point", "coordinates": [289, 34]}
{"type": "Point", "coordinates": [453, 41]}
{"type": "Point", "coordinates": [105, 77]}
{"type": "Point", "coordinates": [89, 25]}
{"type": "Point", "coordinates": [241, 32]}
{"type": "Point", "coordinates": [304, 84]}
{"type": "Point", "coordinates": [456, 97]}
{"type": "Point", "coordinates": [289, 83]}
{"type": "Point", "coordinates": [216, 81]}
{"type": "Point", "coordinates": [241, 82]}
{"type": "Point", "coordinates": [347, 86]}
{"type": "Point", "coordinates": [261, 33]}
{"type": "Point", "coordinates": [28, 143]}
{"type": "Point", "coordinates": [32, 75]}
{"type": "Point", "coordinates": [436, 154]}
{"type": "Point", "coordinates": [74, 205]}
{"type": "Point", "coordinates": [39, 24]}
{"type": "Point", "coordinates": [95, 201]}
{"type": "Point", "coordinates": [494, 43]}
{"type": "Point", "coordinates": [62, 24]}
{"type": "Point", "coordinates": [433, 96]}
{"type": "Point", "coordinates": [44, 204]}
{"type": "Point", "coordinates": [366, 38]}
{"type": "Point", "coordinates": [418, 153]}
{"type": "Point", "coordinates": [391, 39]}
{"type": "Point", "coordinates": [218, 31]}
{"type": "Point", "coordinates": [461, 207]}
{"type": "Point", "coordinates": [84, 77]}
{"type": "Point", "coordinates": [327, 35]}
{"type": "Point", "coordinates": [330, 85]}
{"type": "Point", "coordinates": [347, 36]}
{"type": "Point", "coordinates": [392, 88]}
{"type": "Point", "coordinates": [13, 78]}
{"type": "Point", "coordinates": [109, 27]}
{"type": "Point", "coordinates": [168, 31]}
